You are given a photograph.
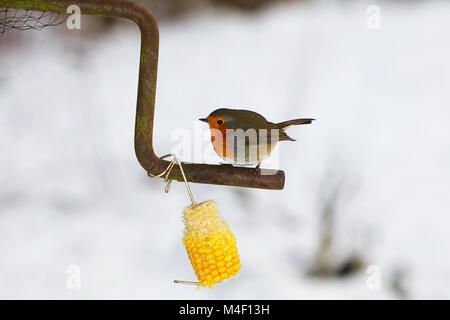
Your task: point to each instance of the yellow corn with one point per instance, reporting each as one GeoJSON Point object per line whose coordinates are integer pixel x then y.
{"type": "Point", "coordinates": [210, 244]}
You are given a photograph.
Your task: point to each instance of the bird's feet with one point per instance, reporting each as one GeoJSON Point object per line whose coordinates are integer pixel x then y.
{"type": "Point", "coordinates": [257, 170]}
{"type": "Point", "coordinates": [227, 164]}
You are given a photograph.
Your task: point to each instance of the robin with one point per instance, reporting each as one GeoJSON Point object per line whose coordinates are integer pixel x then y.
{"type": "Point", "coordinates": [244, 137]}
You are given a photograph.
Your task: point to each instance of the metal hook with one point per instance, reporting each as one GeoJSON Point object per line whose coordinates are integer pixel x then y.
{"type": "Point", "coordinates": [167, 172]}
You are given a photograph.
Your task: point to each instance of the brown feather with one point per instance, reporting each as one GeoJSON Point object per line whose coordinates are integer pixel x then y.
{"type": "Point", "coordinates": [294, 122]}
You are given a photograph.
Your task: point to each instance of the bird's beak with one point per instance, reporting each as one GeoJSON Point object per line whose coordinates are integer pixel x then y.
{"type": "Point", "coordinates": [204, 120]}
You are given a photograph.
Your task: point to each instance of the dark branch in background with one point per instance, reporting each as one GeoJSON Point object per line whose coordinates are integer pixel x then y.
{"type": "Point", "coordinates": [164, 9]}
{"type": "Point", "coordinates": [250, 4]}
{"type": "Point", "coordinates": [335, 196]}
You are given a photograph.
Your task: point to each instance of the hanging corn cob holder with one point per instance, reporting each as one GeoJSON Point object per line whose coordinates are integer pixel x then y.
{"type": "Point", "coordinates": [209, 242]}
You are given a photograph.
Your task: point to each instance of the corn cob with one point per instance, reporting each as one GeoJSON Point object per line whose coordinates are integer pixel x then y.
{"type": "Point", "coordinates": [210, 244]}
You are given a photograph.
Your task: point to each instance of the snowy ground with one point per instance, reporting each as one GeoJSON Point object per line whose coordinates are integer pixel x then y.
{"type": "Point", "coordinates": [72, 192]}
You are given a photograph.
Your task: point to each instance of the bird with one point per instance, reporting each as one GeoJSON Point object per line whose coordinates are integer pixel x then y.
{"type": "Point", "coordinates": [246, 138]}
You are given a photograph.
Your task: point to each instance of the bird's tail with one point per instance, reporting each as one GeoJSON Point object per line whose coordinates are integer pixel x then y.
{"type": "Point", "coordinates": [295, 122]}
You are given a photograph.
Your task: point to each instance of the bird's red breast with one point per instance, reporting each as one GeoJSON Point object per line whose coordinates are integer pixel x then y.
{"type": "Point", "coordinates": [218, 135]}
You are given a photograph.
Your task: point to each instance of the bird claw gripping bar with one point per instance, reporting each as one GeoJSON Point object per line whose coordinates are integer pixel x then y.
{"type": "Point", "coordinates": [199, 173]}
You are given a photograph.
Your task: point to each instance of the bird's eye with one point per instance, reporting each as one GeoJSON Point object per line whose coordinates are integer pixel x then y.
{"type": "Point", "coordinates": [219, 121]}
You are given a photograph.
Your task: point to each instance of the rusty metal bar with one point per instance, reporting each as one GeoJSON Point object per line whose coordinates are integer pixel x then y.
{"type": "Point", "coordinates": [199, 173]}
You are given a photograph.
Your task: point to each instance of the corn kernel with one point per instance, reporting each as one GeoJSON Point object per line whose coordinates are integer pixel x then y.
{"type": "Point", "coordinates": [210, 244]}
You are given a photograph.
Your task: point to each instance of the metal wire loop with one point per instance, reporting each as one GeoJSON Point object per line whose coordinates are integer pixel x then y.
{"type": "Point", "coordinates": [167, 172]}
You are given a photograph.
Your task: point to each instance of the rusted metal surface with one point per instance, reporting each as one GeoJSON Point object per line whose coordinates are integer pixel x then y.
{"type": "Point", "coordinates": [199, 173]}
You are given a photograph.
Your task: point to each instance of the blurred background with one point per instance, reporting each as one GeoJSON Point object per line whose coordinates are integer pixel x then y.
{"type": "Point", "coordinates": [364, 212]}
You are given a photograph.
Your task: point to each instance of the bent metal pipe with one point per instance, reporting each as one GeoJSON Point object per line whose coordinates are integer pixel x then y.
{"type": "Point", "coordinates": [143, 142]}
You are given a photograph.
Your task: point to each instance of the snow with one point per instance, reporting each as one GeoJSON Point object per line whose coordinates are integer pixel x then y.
{"type": "Point", "coordinates": [73, 193]}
